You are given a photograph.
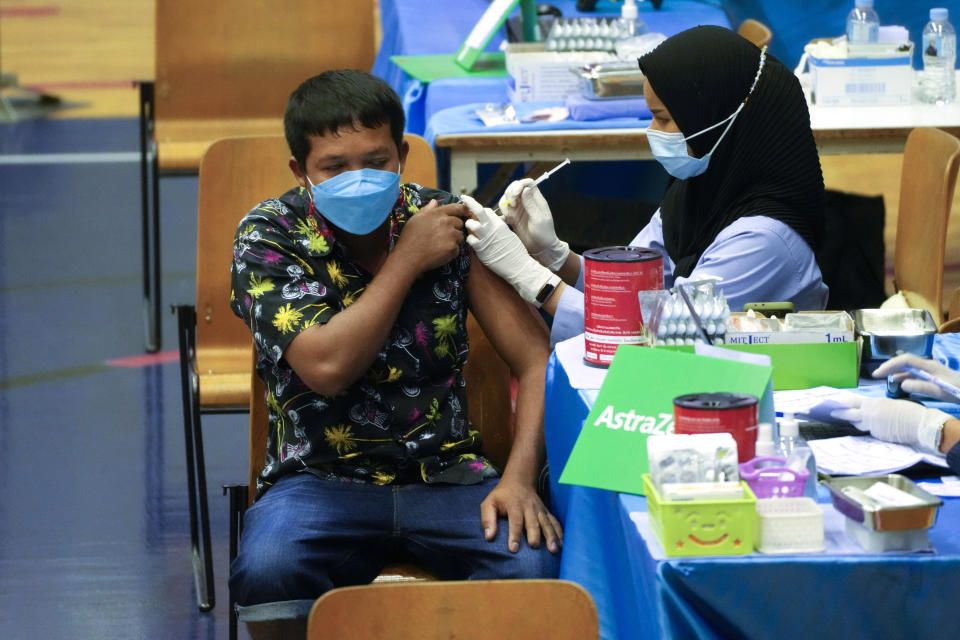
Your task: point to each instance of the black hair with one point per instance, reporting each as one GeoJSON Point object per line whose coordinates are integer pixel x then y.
{"type": "Point", "coordinates": [341, 98]}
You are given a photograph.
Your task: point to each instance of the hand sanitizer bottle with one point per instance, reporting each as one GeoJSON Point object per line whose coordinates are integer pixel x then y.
{"type": "Point", "coordinates": [793, 448]}
{"type": "Point", "coordinates": [765, 447]}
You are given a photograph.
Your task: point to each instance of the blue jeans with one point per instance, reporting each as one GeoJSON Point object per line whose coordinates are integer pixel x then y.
{"type": "Point", "coordinates": [307, 535]}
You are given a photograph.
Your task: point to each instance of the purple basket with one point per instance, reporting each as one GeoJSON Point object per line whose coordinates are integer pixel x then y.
{"type": "Point", "coordinates": [770, 479]}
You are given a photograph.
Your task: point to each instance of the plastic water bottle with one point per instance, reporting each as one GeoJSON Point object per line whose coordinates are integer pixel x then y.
{"type": "Point", "coordinates": [797, 453]}
{"type": "Point", "coordinates": [863, 23]}
{"type": "Point", "coordinates": [938, 80]}
{"type": "Point", "coordinates": [628, 19]}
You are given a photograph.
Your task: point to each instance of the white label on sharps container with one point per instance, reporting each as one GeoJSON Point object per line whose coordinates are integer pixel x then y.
{"type": "Point", "coordinates": [632, 421]}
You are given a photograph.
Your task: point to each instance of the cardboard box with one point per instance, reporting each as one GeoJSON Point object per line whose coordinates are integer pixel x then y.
{"type": "Point", "coordinates": [804, 366]}
{"type": "Point", "coordinates": [791, 337]}
{"type": "Point", "coordinates": [536, 74]}
{"type": "Point", "coordinates": [876, 74]}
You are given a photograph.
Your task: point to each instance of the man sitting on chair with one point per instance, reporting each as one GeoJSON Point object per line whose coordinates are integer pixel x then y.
{"type": "Point", "coordinates": [356, 289]}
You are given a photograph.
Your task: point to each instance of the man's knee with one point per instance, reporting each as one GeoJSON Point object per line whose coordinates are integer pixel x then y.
{"type": "Point", "coordinates": [529, 563]}
{"type": "Point", "coordinates": [274, 574]}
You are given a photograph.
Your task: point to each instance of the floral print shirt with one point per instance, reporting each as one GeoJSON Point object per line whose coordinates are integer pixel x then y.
{"type": "Point", "coordinates": [405, 420]}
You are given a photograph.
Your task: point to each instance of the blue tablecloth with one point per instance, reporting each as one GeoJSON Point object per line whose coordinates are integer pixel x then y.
{"type": "Point", "coordinates": [756, 596]}
{"type": "Point", "coordinates": [464, 119]}
{"type": "Point", "coordinates": [421, 27]}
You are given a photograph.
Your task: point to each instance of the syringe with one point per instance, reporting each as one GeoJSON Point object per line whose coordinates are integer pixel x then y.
{"type": "Point", "coordinates": [546, 175]}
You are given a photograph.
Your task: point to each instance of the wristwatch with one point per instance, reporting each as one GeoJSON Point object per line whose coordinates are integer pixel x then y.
{"type": "Point", "coordinates": [544, 294]}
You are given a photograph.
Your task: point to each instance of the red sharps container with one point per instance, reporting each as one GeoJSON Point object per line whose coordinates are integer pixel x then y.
{"type": "Point", "coordinates": [611, 311]}
{"type": "Point", "coordinates": [733, 413]}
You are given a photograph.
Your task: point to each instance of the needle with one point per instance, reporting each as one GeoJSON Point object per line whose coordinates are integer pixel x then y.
{"type": "Point", "coordinates": [546, 175]}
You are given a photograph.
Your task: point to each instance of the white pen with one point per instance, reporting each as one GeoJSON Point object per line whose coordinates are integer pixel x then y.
{"type": "Point", "coordinates": [545, 175]}
{"type": "Point", "coordinates": [929, 377]}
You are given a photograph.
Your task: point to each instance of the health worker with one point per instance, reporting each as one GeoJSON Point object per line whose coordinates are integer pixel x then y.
{"type": "Point", "coordinates": [730, 124]}
{"type": "Point", "coordinates": [908, 422]}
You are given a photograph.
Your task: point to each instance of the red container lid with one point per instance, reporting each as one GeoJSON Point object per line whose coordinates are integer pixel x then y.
{"type": "Point", "coordinates": [715, 401]}
{"type": "Point", "coordinates": [621, 254]}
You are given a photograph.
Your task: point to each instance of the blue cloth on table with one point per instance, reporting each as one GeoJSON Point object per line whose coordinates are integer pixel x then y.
{"type": "Point", "coordinates": [637, 596]}
{"type": "Point", "coordinates": [463, 119]}
{"type": "Point", "coordinates": [422, 27]}
{"type": "Point", "coordinates": [946, 349]}
{"type": "Point", "coordinates": [587, 541]}
{"type": "Point", "coordinates": [890, 595]}
{"type": "Point", "coordinates": [582, 108]}
{"type": "Point", "coordinates": [417, 27]}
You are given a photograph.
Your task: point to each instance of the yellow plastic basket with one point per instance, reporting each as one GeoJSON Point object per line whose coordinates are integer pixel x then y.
{"type": "Point", "coordinates": [702, 527]}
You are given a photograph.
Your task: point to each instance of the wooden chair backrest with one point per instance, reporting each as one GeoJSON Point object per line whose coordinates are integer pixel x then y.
{"type": "Point", "coordinates": [242, 59]}
{"type": "Point", "coordinates": [466, 610]}
{"type": "Point", "coordinates": [421, 164]}
{"type": "Point", "coordinates": [928, 179]}
{"type": "Point", "coordinates": [755, 31]}
{"type": "Point", "coordinates": [235, 175]}
{"type": "Point", "coordinates": [952, 324]}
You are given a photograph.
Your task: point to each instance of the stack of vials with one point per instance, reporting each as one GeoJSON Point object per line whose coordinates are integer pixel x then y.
{"type": "Point", "coordinates": [585, 34]}
{"type": "Point", "coordinates": [671, 323]}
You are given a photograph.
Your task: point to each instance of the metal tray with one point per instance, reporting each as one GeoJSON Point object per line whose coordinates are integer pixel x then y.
{"type": "Point", "coordinates": [601, 80]}
{"type": "Point", "coordinates": [888, 332]}
{"type": "Point", "coordinates": [881, 518]}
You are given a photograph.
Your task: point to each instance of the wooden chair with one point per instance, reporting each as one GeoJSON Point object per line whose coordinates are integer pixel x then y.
{"type": "Point", "coordinates": [755, 31]}
{"type": "Point", "coordinates": [227, 69]}
{"type": "Point", "coordinates": [466, 610]}
{"type": "Point", "coordinates": [214, 345]}
{"type": "Point", "coordinates": [928, 179]}
{"type": "Point", "coordinates": [952, 325]}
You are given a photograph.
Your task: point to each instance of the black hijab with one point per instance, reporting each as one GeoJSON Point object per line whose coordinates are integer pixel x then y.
{"type": "Point", "coordinates": [767, 164]}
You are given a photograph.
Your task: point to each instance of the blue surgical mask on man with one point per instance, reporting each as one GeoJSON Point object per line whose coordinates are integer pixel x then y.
{"type": "Point", "coordinates": [670, 149]}
{"type": "Point", "coordinates": [357, 201]}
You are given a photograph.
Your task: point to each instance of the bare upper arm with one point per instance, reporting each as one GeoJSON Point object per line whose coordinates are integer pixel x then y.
{"type": "Point", "coordinates": [514, 328]}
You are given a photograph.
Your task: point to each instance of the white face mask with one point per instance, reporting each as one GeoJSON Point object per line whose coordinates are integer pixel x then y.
{"type": "Point", "coordinates": [670, 149]}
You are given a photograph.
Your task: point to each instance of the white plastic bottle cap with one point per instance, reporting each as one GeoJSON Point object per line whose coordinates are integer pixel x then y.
{"type": "Point", "coordinates": [630, 12]}
{"type": "Point", "coordinates": [939, 13]}
{"type": "Point", "coordinates": [764, 447]}
{"type": "Point", "coordinates": [789, 427]}
{"type": "Point", "coordinates": [863, 3]}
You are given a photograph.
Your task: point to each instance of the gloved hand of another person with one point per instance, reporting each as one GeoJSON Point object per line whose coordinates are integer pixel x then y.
{"type": "Point", "coordinates": [900, 421]}
{"type": "Point", "coordinates": [910, 384]}
{"type": "Point", "coordinates": [525, 209]}
{"type": "Point", "coordinates": [501, 250]}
